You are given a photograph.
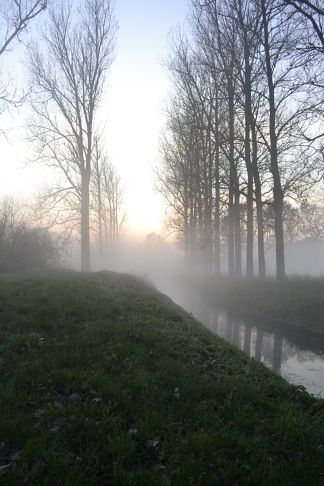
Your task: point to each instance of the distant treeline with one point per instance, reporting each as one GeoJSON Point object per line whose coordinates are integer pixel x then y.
{"type": "Point", "coordinates": [25, 247]}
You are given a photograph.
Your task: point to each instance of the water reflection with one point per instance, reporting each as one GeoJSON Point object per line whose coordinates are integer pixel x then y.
{"type": "Point", "coordinates": [247, 339]}
{"type": "Point", "coordinates": [258, 344]}
{"type": "Point", "coordinates": [297, 364]}
{"type": "Point", "coordinates": [277, 353]}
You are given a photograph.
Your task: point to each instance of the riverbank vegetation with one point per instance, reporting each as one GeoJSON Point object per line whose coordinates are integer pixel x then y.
{"type": "Point", "coordinates": [106, 381]}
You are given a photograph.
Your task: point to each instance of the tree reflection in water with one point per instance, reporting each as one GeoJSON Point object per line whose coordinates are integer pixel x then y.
{"type": "Point", "coordinates": [277, 351]}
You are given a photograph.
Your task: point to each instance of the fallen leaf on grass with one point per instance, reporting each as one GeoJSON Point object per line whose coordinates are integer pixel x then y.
{"type": "Point", "coordinates": [58, 404]}
{"type": "Point", "coordinates": [158, 467]}
{"type": "Point", "coordinates": [39, 412]}
{"type": "Point", "coordinates": [176, 392]}
{"type": "Point", "coordinates": [5, 468]}
{"type": "Point", "coordinates": [97, 400]}
{"type": "Point", "coordinates": [8, 457]}
{"type": "Point", "coordinates": [151, 443]}
{"type": "Point", "coordinates": [74, 397]}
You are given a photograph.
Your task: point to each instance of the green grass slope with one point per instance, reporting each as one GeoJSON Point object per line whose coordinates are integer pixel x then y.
{"type": "Point", "coordinates": [104, 381]}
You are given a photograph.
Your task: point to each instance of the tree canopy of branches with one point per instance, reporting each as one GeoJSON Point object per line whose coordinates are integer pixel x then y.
{"type": "Point", "coordinates": [107, 202]}
{"type": "Point", "coordinates": [15, 17]}
{"type": "Point", "coordinates": [243, 126]}
{"type": "Point", "coordinates": [68, 72]}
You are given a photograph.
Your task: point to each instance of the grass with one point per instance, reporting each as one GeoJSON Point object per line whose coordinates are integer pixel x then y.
{"type": "Point", "coordinates": [104, 381]}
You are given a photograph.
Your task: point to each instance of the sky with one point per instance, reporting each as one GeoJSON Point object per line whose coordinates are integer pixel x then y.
{"type": "Point", "coordinates": [133, 112]}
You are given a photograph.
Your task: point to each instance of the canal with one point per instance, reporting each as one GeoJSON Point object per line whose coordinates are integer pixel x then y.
{"type": "Point", "coordinates": [301, 361]}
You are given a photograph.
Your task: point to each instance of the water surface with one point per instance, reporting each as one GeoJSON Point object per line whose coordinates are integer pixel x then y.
{"type": "Point", "coordinates": [278, 351]}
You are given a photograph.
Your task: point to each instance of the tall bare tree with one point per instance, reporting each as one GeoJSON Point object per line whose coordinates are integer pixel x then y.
{"type": "Point", "coordinates": [247, 99]}
{"type": "Point", "coordinates": [107, 202]}
{"type": "Point", "coordinates": [68, 73]}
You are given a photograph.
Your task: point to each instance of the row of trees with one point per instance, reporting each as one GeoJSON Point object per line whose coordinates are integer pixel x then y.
{"type": "Point", "coordinates": [68, 67]}
{"type": "Point", "coordinates": [244, 130]}
{"type": "Point", "coordinates": [107, 203]}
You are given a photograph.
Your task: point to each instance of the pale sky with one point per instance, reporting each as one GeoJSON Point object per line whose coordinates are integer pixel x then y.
{"type": "Point", "coordinates": [137, 86]}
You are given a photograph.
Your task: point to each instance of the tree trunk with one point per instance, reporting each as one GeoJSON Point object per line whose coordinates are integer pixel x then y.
{"type": "Point", "coordinates": [237, 223]}
{"type": "Point", "coordinates": [231, 190]}
{"type": "Point", "coordinates": [99, 204]}
{"type": "Point", "coordinates": [277, 189]}
{"type": "Point", "coordinates": [100, 235]}
{"type": "Point", "coordinates": [186, 229]}
{"type": "Point", "coordinates": [247, 147]}
{"type": "Point", "coordinates": [279, 231]}
{"type": "Point", "coordinates": [217, 196]}
{"type": "Point", "coordinates": [259, 205]}
{"type": "Point", "coordinates": [85, 233]}
{"type": "Point", "coordinates": [208, 187]}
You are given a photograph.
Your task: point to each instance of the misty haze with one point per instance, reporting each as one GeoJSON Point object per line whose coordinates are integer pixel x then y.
{"type": "Point", "coordinates": [162, 242]}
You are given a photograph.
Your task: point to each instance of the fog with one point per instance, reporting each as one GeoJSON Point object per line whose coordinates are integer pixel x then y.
{"type": "Point", "coordinates": [147, 256]}
{"type": "Point", "coordinates": [162, 261]}
{"type": "Point", "coordinates": [135, 358]}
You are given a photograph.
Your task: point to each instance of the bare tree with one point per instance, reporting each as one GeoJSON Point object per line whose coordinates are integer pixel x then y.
{"type": "Point", "coordinates": [239, 135]}
{"type": "Point", "coordinates": [291, 107]}
{"type": "Point", "coordinates": [218, 34]}
{"type": "Point", "coordinates": [113, 214]}
{"type": "Point", "coordinates": [15, 17]}
{"type": "Point", "coordinates": [68, 76]}
{"type": "Point", "coordinates": [313, 12]}
{"type": "Point", "coordinates": [97, 192]}
{"type": "Point", "coordinates": [12, 216]}
{"type": "Point", "coordinates": [177, 176]}
{"type": "Point", "coordinates": [107, 205]}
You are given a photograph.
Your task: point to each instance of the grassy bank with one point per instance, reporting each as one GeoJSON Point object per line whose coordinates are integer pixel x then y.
{"type": "Point", "coordinates": [297, 302]}
{"type": "Point", "coordinates": [105, 382]}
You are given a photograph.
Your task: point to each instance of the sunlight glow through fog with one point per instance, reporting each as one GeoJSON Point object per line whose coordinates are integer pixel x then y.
{"type": "Point", "coordinates": [132, 110]}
